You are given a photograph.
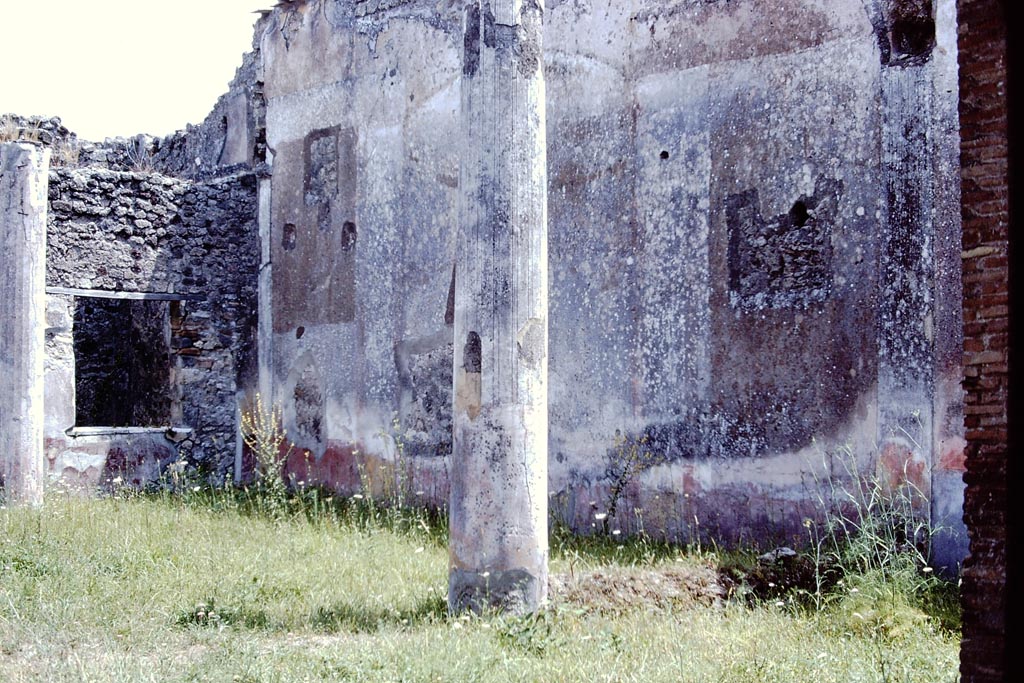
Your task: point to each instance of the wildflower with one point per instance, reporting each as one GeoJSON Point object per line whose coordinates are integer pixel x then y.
{"type": "Point", "coordinates": [616, 532]}
{"type": "Point", "coordinates": [418, 550]}
{"type": "Point", "coordinates": [807, 522]}
{"type": "Point", "coordinates": [600, 515]}
{"type": "Point", "coordinates": [927, 570]}
{"type": "Point", "coordinates": [358, 496]}
{"type": "Point", "coordinates": [485, 574]}
{"type": "Point", "coordinates": [196, 488]}
{"type": "Point", "coordinates": [780, 604]}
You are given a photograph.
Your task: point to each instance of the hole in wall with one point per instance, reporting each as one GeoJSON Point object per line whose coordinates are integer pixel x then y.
{"type": "Point", "coordinates": [123, 362]}
{"type": "Point", "coordinates": [348, 236]}
{"type": "Point", "coordinates": [288, 237]}
{"type": "Point", "coordinates": [664, 154]}
{"type": "Point", "coordinates": [799, 214]}
{"type": "Point", "coordinates": [913, 38]}
{"type": "Point", "coordinates": [299, 331]}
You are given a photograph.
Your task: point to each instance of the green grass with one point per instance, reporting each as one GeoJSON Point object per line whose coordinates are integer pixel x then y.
{"type": "Point", "coordinates": [207, 588]}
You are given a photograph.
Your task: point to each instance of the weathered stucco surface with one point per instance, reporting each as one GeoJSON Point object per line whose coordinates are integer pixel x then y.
{"type": "Point", "coordinates": [753, 270]}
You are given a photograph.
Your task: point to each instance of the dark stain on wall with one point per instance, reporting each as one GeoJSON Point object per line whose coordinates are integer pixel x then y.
{"type": "Point", "coordinates": [321, 174]}
{"type": "Point", "coordinates": [449, 307]}
{"type": "Point", "coordinates": [288, 237]}
{"type": "Point", "coordinates": [471, 41]}
{"type": "Point", "coordinates": [472, 360]}
{"type": "Point", "coordinates": [309, 405]}
{"type": "Point", "coordinates": [320, 219]}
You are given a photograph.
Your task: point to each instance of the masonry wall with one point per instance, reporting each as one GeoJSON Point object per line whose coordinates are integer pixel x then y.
{"type": "Point", "coordinates": [754, 249]}
{"type": "Point", "coordinates": [190, 250]}
{"type": "Point", "coordinates": [984, 156]}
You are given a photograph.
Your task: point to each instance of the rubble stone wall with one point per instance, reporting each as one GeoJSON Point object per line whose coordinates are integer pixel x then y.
{"type": "Point", "coordinates": [190, 248]}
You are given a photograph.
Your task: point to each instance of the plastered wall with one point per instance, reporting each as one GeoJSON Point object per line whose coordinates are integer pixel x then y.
{"type": "Point", "coordinates": [754, 252]}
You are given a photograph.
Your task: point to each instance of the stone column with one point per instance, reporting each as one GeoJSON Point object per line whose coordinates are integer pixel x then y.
{"type": "Point", "coordinates": [23, 183]}
{"type": "Point", "coordinates": [498, 513]}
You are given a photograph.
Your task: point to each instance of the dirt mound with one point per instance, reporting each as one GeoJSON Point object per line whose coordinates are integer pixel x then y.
{"type": "Point", "coordinates": [618, 590]}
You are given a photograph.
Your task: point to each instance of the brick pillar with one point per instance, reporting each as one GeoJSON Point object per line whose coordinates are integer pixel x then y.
{"type": "Point", "coordinates": [985, 212]}
{"type": "Point", "coordinates": [498, 513]}
{"type": "Point", "coordinates": [23, 183]}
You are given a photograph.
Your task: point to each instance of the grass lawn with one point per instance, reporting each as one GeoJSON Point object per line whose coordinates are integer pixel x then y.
{"type": "Point", "coordinates": [166, 589]}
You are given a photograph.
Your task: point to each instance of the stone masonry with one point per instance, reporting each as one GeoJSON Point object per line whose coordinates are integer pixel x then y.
{"type": "Point", "coordinates": [186, 252]}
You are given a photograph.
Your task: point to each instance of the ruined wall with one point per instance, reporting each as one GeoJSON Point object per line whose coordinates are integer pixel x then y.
{"type": "Point", "coordinates": [173, 264]}
{"type": "Point", "coordinates": [230, 138]}
{"type": "Point", "coordinates": [753, 250]}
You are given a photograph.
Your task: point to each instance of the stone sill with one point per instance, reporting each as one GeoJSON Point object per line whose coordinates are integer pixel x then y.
{"type": "Point", "coordinates": [174, 434]}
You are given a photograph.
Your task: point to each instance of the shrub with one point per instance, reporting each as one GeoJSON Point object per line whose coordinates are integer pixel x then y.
{"type": "Point", "coordinates": [265, 436]}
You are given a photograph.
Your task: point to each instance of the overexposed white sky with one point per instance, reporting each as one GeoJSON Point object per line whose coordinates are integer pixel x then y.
{"type": "Point", "coordinates": [121, 67]}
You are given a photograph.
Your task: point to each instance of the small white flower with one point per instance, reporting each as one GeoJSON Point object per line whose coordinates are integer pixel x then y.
{"type": "Point", "coordinates": [780, 604]}
{"type": "Point", "coordinates": [358, 496]}
{"type": "Point", "coordinates": [485, 574]}
{"type": "Point", "coordinates": [600, 515]}
{"type": "Point", "coordinates": [927, 570]}
{"type": "Point", "coordinates": [196, 488]}
{"type": "Point", "coordinates": [854, 590]}
{"type": "Point", "coordinates": [418, 550]}
{"type": "Point", "coordinates": [616, 532]}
